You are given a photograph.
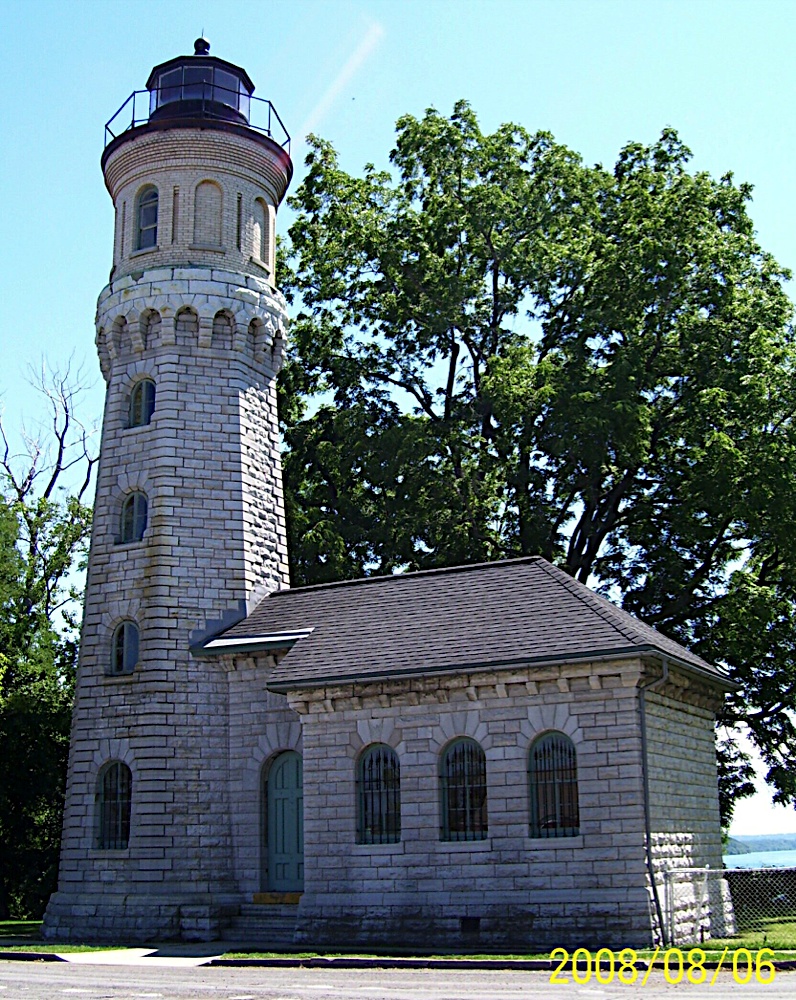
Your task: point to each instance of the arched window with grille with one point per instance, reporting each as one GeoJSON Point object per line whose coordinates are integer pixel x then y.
{"type": "Point", "coordinates": [134, 515]}
{"type": "Point", "coordinates": [379, 796]}
{"type": "Point", "coordinates": [463, 781]}
{"type": "Point", "coordinates": [142, 403]}
{"type": "Point", "coordinates": [146, 235]}
{"type": "Point", "coordinates": [124, 648]}
{"type": "Point", "coordinates": [553, 781]}
{"type": "Point", "coordinates": [114, 800]}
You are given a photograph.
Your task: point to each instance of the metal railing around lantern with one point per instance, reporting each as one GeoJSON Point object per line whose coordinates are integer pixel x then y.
{"type": "Point", "coordinates": [207, 100]}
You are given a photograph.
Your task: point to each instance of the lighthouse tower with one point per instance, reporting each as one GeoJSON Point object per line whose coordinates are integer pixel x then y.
{"type": "Point", "coordinates": [189, 526]}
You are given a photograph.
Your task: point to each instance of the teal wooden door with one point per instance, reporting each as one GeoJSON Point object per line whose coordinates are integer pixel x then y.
{"type": "Point", "coordinates": [286, 824]}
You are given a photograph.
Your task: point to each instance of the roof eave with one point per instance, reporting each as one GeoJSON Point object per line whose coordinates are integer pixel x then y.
{"type": "Point", "coordinates": [537, 662]}
{"type": "Point", "coordinates": [273, 642]}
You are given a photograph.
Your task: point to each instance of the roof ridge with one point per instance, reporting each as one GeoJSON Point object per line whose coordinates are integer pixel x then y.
{"type": "Point", "coordinates": [413, 574]}
{"type": "Point", "coordinates": [606, 609]}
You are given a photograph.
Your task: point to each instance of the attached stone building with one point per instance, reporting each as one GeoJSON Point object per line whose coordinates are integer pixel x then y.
{"type": "Point", "coordinates": [488, 755]}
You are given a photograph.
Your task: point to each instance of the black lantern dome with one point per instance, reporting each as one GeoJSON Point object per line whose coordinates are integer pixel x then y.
{"type": "Point", "coordinates": [199, 86]}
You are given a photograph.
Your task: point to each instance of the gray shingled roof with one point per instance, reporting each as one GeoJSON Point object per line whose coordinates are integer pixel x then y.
{"type": "Point", "coordinates": [521, 611]}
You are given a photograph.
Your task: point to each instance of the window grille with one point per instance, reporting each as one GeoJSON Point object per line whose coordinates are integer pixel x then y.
{"type": "Point", "coordinates": [553, 776]}
{"type": "Point", "coordinates": [124, 655]}
{"type": "Point", "coordinates": [464, 815]}
{"type": "Point", "coordinates": [147, 219]}
{"type": "Point", "coordinates": [379, 795]}
{"type": "Point", "coordinates": [134, 513]}
{"type": "Point", "coordinates": [115, 797]}
{"type": "Point", "coordinates": [142, 403]}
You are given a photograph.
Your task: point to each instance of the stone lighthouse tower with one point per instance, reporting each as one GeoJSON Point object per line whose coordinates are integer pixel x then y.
{"type": "Point", "coordinates": [189, 521]}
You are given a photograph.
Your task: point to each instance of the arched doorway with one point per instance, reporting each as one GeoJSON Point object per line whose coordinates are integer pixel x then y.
{"type": "Point", "coordinates": [285, 824]}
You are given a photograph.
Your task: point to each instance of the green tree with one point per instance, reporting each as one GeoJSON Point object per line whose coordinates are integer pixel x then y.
{"type": "Point", "coordinates": [516, 353]}
{"type": "Point", "coordinates": [43, 535]}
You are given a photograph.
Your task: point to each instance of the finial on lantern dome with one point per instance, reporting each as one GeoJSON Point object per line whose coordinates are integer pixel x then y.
{"type": "Point", "coordinates": [201, 47]}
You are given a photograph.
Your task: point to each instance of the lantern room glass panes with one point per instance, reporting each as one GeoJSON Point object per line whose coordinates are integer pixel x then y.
{"type": "Point", "coordinates": [379, 796]}
{"type": "Point", "coordinates": [114, 801]}
{"type": "Point", "coordinates": [197, 82]}
{"type": "Point", "coordinates": [464, 815]}
{"type": "Point", "coordinates": [200, 83]}
{"type": "Point", "coordinates": [170, 85]}
{"type": "Point", "coordinates": [553, 777]}
{"type": "Point", "coordinates": [225, 88]}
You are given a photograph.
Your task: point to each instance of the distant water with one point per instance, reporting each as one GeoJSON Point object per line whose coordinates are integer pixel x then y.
{"type": "Point", "coordinates": [761, 859]}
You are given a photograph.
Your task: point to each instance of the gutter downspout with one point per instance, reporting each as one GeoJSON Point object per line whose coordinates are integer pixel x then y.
{"type": "Point", "coordinates": [645, 771]}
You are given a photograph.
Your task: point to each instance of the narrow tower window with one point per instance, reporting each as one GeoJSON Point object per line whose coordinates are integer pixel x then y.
{"type": "Point", "coordinates": [147, 235]}
{"type": "Point", "coordinates": [124, 650]}
{"type": "Point", "coordinates": [553, 777]}
{"type": "Point", "coordinates": [114, 798]}
{"type": "Point", "coordinates": [175, 213]}
{"type": "Point", "coordinates": [464, 791]}
{"type": "Point", "coordinates": [142, 403]}
{"type": "Point", "coordinates": [134, 513]}
{"type": "Point", "coordinates": [379, 796]}
{"type": "Point", "coordinates": [239, 221]}
{"type": "Point", "coordinates": [122, 229]}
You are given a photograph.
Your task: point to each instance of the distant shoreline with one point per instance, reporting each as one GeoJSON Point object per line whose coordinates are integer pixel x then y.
{"type": "Point", "coordinates": [759, 843]}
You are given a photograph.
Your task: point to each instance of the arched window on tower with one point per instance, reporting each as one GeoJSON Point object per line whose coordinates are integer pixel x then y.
{"type": "Point", "coordinates": [379, 796]}
{"type": "Point", "coordinates": [262, 242]}
{"type": "Point", "coordinates": [124, 648]}
{"type": "Point", "coordinates": [142, 403]}
{"type": "Point", "coordinates": [147, 219]}
{"type": "Point", "coordinates": [114, 800]}
{"type": "Point", "coordinates": [463, 779]}
{"type": "Point", "coordinates": [553, 782]}
{"type": "Point", "coordinates": [134, 515]}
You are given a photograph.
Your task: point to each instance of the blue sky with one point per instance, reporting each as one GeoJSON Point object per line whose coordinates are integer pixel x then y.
{"type": "Point", "coordinates": [596, 73]}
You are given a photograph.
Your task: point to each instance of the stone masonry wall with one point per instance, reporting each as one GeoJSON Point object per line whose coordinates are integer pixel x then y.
{"type": "Point", "coordinates": [684, 806]}
{"type": "Point", "coordinates": [517, 891]}
{"type": "Point", "coordinates": [208, 464]}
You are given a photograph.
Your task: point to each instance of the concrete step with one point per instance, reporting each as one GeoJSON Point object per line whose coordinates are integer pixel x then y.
{"type": "Point", "coordinates": [263, 926]}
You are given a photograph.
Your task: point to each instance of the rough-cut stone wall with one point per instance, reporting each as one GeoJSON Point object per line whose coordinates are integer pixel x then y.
{"type": "Point", "coordinates": [209, 466]}
{"type": "Point", "coordinates": [684, 798]}
{"type": "Point", "coordinates": [523, 892]}
{"type": "Point", "coordinates": [684, 802]}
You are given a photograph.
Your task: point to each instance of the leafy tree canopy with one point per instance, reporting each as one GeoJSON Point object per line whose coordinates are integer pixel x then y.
{"type": "Point", "coordinates": [43, 535]}
{"type": "Point", "coordinates": [514, 353]}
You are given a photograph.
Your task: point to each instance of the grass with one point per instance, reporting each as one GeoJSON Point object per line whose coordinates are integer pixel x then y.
{"type": "Point", "coordinates": [19, 928]}
{"type": "Point", "coordinates": [779, 935]}
{"type": "Point", "coordinates": [24, 935]}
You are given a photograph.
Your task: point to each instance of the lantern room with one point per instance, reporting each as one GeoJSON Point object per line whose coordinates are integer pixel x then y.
{"type": "Point", "coordinates": [199, 86]}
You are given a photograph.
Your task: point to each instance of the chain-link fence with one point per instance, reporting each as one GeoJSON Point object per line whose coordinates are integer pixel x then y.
{"type": "Point", "coordinates": [703, 903]}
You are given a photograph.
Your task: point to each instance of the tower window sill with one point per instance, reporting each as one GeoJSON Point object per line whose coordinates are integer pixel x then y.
{"type": "Point", "coordinates": [139, 253]}
{"type": "Point", "coordinates": [260, 263]}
